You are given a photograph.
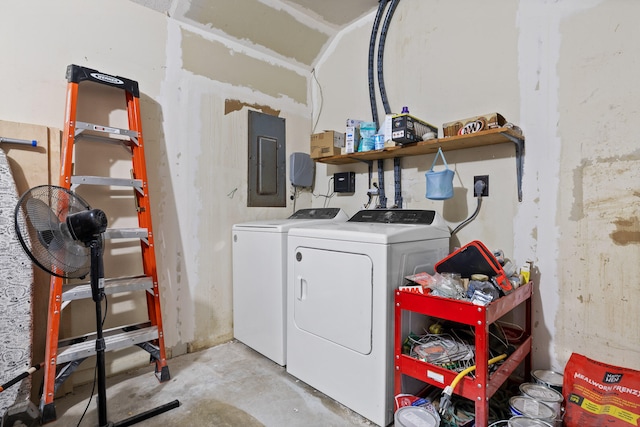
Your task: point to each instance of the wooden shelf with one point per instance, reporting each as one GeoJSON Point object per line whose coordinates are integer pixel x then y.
{"type": "Point", "coordinates": [480, 139]}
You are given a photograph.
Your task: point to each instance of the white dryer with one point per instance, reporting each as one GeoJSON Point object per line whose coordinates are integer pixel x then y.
{"type": "Point", "coordinates": [341, 281]}
{"type": "Point", "coordinates": [259, 279]}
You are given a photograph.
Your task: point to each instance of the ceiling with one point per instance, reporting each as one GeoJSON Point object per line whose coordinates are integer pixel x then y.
{"type": "Point", "coordinates": [297, 31]}
{"type": "Point", "coordinates": [335, 12]}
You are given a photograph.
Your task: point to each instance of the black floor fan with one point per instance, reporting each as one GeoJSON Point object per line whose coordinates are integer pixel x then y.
{"type": "Point", "coordinates": [64, 236]}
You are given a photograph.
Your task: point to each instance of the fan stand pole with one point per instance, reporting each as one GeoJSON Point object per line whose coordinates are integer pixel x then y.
{"type": "Point", "coordinates": [97, 292]}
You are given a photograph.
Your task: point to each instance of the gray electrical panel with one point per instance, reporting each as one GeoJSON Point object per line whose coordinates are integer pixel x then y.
{"type": "Point", "coordinates": [267, 161]}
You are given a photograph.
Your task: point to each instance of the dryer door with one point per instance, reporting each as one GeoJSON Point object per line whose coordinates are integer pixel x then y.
{"type": "Point", "coordinates": [333, 296]}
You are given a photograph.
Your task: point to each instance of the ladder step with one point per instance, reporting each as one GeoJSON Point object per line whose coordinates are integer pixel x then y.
{"type": "Point", "coordinates": [112, 286]}
{"type": "Point", "coordinates": [109, 130]}
{"type": "Point", "coordinates": [122, 142]}
{"type": "Point", "coordinates": [101, 180]}
{"type": "Point", "coordinates": [114, 339]}
{"type": "Point", "coordinates": [126, 233]}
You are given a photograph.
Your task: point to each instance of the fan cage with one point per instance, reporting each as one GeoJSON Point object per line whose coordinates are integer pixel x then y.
{"type": "Point", "coordinates": [40, 224]}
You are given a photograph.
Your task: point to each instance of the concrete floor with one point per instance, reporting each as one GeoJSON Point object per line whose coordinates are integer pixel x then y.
{"type": "Point", "coordinates": [225, 386]}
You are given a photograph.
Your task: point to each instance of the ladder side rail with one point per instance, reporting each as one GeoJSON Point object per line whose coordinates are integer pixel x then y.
{"type": "Point", "coordinates": [68, 136]}
{"type": "Point", "coordinates": [51, 345]}
{"type": "Point", "coordinates": [142, 203]}
{"type": "Point", "coordinates": [144, 219]}
{"type": "Point", "coordinates": [55, 289]}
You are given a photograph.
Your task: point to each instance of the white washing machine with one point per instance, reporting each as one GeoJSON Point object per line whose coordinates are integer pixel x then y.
{"type": "Point", "coordinates": [341, 281]}
{"type": "Point", "coordinates": [259, 279]}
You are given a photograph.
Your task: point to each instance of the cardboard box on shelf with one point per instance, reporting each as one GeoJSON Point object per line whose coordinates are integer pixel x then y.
{"type": "Point", "coordinates": [473, 124]}
{"type": "Point", "coordinates": [327, 143]}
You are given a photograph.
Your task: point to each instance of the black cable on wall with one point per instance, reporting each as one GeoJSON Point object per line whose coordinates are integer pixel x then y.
{"type": "Point", "coordinates": [372, 46]}
{"type": "Point", "coordinates": [381, 44]}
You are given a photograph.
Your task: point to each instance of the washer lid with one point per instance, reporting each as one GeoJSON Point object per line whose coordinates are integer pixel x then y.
{"type": "Point", "coordinates": [410, 228]}
{"type": "Point", "coordinates": [300, 217]}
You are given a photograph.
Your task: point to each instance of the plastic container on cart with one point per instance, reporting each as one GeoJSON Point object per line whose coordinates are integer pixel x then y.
{"type": "Point", "coordinates": [529, 407]}
{"type": "Point", "coordinates": [414, 416]}
{"type": "Point", "coordinates": [548, 378]}
{"type": "Point", "coordinates": [520, 421]}
{"type": "Point", "coordinates": [544, 394]}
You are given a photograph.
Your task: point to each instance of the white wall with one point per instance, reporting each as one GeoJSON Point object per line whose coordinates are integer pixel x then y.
{"type": "Point", "coordinates": [562, 71]}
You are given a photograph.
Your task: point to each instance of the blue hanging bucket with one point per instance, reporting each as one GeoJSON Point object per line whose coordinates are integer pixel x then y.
{"type": "Point", "coordinates": [439, 183]}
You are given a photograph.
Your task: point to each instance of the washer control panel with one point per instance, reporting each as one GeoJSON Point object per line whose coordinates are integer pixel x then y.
{"type": "Point", "coordinates": [395, 216]}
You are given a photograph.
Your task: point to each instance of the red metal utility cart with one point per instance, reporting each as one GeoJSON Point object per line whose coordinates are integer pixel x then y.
{"type": "Point", "coordinates": [482, 387]}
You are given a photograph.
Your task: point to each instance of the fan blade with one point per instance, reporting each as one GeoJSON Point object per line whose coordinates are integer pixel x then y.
{"type": "Point", "coordinates": [41, 216]}
{"type": "Point", "coordinates": [67, 254]}
{"type": "Point", "coordinates": [76, 255]}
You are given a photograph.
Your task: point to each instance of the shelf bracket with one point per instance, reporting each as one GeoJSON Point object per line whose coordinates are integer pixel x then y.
{"type": "Point", "coordinates": [519, 160]}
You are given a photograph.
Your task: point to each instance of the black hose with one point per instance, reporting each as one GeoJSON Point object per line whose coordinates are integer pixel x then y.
{"type": "Point", "coordinates": [372, 96]}
{"type": "Point", "coordinates": [468, 220]}
{"type": "Point", "coordinates": [397, 181]}
{"type": "Point", "coordinates": [382, 196]}
{"type": "Point", "coordinates": [381, 43]}
{"type": "Point", "coordinates": [383, 94]}
{"type": "Point", "coordinates": [372, 46]}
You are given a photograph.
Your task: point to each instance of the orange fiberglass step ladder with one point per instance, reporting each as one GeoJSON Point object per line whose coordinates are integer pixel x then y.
{"type": "Point", "coordinates": [64, 356]}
